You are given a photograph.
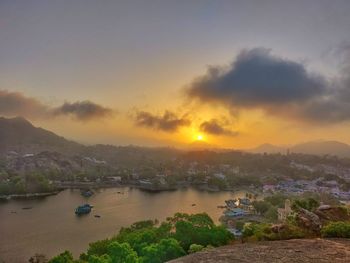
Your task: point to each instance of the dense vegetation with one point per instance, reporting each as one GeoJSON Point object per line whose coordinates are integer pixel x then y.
{"type": "Point", "coordinates": [336, 229]}
{"type": "Point", "coordinates": [150, 242]}
{"type": "Point", "coordinates": [18, 184]}
{"type": "Point", "coordinates": [267, 229]}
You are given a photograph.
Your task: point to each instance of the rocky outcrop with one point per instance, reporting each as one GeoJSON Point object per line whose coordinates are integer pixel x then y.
{"type": "Point", "coordinates": [308, 220]}
{"type": "Point", "coordinates": [332, 213]}
{"type": "Point", "coordinates": [287, 251]}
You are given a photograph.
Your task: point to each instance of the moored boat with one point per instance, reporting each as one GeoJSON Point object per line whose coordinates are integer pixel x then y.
{"type": "Point", "coordinates": [83, 209]}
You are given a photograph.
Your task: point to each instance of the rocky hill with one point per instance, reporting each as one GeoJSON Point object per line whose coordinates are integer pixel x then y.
{"type": "Point", "coordinates": [286, 251]}
{"type": "Point", "coordinates": [20, 136]}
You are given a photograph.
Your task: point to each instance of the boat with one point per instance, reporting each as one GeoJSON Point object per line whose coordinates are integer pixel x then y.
{"type": "Point", "coordinates": [83, 209]}
{"type": "Point", "coordinates": [98, 216]}
{"type": "Point", "coordinates": [193, 204]}
{"type": "Point", "coordinates": [87, 193]}
{"type": "Point", "coordinates": [27, 207]}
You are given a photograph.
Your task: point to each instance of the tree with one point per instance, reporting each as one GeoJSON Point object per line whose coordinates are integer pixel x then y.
{"type": "Point", "coordinates": [98, 248]}
{"type": "Point", "coordinates": [65, 257]}
{"type": "Point", "coordinates": [165, 250]}
{"type": "Point", "coordinates": [122, 253]}
{"type": "Point", "coordinates": [261, 206]}
{"type": "Point", "coordinates": [102, 259]}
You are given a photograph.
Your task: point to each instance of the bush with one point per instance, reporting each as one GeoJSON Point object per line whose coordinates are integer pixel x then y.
{"type": "Point", "coordinates": [266, 232]}
{"type": "Point", "coordinates": [195, 248]}
{"type": "Point", "coordinates": [336, 229]}
{"type": "Point", "coordinates": [65, 257]}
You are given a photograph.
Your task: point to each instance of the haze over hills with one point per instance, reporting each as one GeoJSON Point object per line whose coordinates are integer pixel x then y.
{"type": "Point", "coordinates": [319, 147]}
{"type": "Point", "coordinates": [19, 135]}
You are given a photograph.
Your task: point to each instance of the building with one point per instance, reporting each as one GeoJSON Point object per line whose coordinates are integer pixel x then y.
{"type": "Point", "coordinates": [283, 213]}
{"type": "Point", "coordinates": [235, 212]}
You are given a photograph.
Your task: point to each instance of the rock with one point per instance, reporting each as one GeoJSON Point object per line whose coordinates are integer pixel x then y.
{"type": "Point", "coordinates": [308, 220]}
{"type": "Point", "coordinates": [285, 251]}
{"type": "Point", "coordinates": [278, 228]}
{"type": "Point", "coordinates": [323, 207]}
{"type": "Point", "coordinates": [333, 213]}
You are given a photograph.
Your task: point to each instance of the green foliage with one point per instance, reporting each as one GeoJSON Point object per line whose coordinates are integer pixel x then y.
{"type": "Point", "coordinates": [198, 229]}
{"type": "Point", "coordinates": [102, 259]}
{"type": "Point", "coordinates": [140, 234]}
{"type": "Point", "coordinates": [261, 206]}
{"type": "Point", "coordinates": [98, 248]}
{"type": "Point", "coordinates": [148, 242]}
{"type": "Point", "coordinates": [122, 253]}
{"type": "Point", "coordinates": [195, 248]}
{"type": "Point", "coordinates": [268, 232]}
{"type": "Point", "coordinates": [65, 257]}
{"type": "Point", "coordinates": [271, 214]}
{"type": "Point", "coordinates": [307, 203]}
{"type": "Point", "coordinates": [217, 182]}
{"type": "Point", "coordinates": [336, 229]}
{"type": "Point", "coordinates": [165, 250]}
{"type": "Point", "coordinates": [276, 199]}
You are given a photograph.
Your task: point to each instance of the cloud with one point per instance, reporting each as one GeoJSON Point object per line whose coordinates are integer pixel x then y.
{"type": "Point", "coordinates": [83, 110]}
{"type": "Point", "coordinates": [259, 80]}
{"type": "Point", "coordinates": [216, 128]}
{"type": "Point", "coordinates": [168, 122]}
{"type": "Point", "coordinates": [17, 104]}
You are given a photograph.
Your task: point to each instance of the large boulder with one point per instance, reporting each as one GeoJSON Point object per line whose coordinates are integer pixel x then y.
{"type": "Point", "coordinates": [332, 213]}
{"type": "Point", "coordinates": [308, 220]}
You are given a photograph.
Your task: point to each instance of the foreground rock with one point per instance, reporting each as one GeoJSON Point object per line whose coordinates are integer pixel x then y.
{"type": "Point", "coordinates": [286, 251]}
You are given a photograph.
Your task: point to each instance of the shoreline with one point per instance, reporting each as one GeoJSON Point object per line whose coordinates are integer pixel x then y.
{"type": "Point", "coordinates": [28, 195]}
{"type": "Point", "coordinates": [81, 185]}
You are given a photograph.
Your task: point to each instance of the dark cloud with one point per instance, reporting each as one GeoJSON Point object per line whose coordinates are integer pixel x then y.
{"type": "Point", "coordinates": [17, 104]}
{"type": "Point", "coordinates": [83, 110]}
{"type": "Point", "coordinates": [168, 122]}
{"type": "Point", "coordinates": [258, 79]}
{"type": "Point", "coordinates": [215, 127]}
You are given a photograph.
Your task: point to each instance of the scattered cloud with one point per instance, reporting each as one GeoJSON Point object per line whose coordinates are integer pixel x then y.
{"type": "Point", "coordinates": [215, 127]}
{"type": "Point", "coordinates": [258, 79]}
{"type": "Point", "coordinates": [168, 122]}
{"type": "Point", "coordinates": [83, 110]}
{"type": "Point", "coordinates": [17, 104]}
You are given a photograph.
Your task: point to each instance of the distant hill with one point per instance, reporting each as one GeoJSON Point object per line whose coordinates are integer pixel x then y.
{"type": "Point", "coordinates": [323, 147]}
{"type": "Point", "coordinates": [19, 135]}
{"type": "Point", "coordinates": [268, 148]}
{"type": "Point", "coordinates": [314, 147]}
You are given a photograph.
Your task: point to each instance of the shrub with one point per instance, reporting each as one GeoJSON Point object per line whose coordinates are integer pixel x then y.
{"type": "Point", "coordinates": [195, 248]}
{"type": "Point", "coordinates": [336, 229]}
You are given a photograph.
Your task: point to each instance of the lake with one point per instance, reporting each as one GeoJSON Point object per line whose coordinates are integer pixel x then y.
{"type": "Point", "coordinates": [51, 226]}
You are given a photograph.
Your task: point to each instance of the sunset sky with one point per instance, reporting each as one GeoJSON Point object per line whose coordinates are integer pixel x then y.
{"type": "Point", "coordinates": [234, 74]}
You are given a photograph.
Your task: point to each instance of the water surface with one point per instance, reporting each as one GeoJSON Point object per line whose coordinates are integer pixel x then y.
{"type": "Point", "coordinates": [51, 225]}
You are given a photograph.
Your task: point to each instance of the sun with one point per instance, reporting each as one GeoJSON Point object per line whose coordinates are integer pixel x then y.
{"type": "Point", "coordinates": [199, 137]}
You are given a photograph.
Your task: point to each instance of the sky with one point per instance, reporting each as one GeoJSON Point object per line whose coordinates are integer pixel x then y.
{"type": "Point", "coordinates": [234, 74]}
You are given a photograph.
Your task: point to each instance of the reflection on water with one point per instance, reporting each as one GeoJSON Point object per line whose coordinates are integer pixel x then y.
{"type": "Point", "coordinates": [51, 225]}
